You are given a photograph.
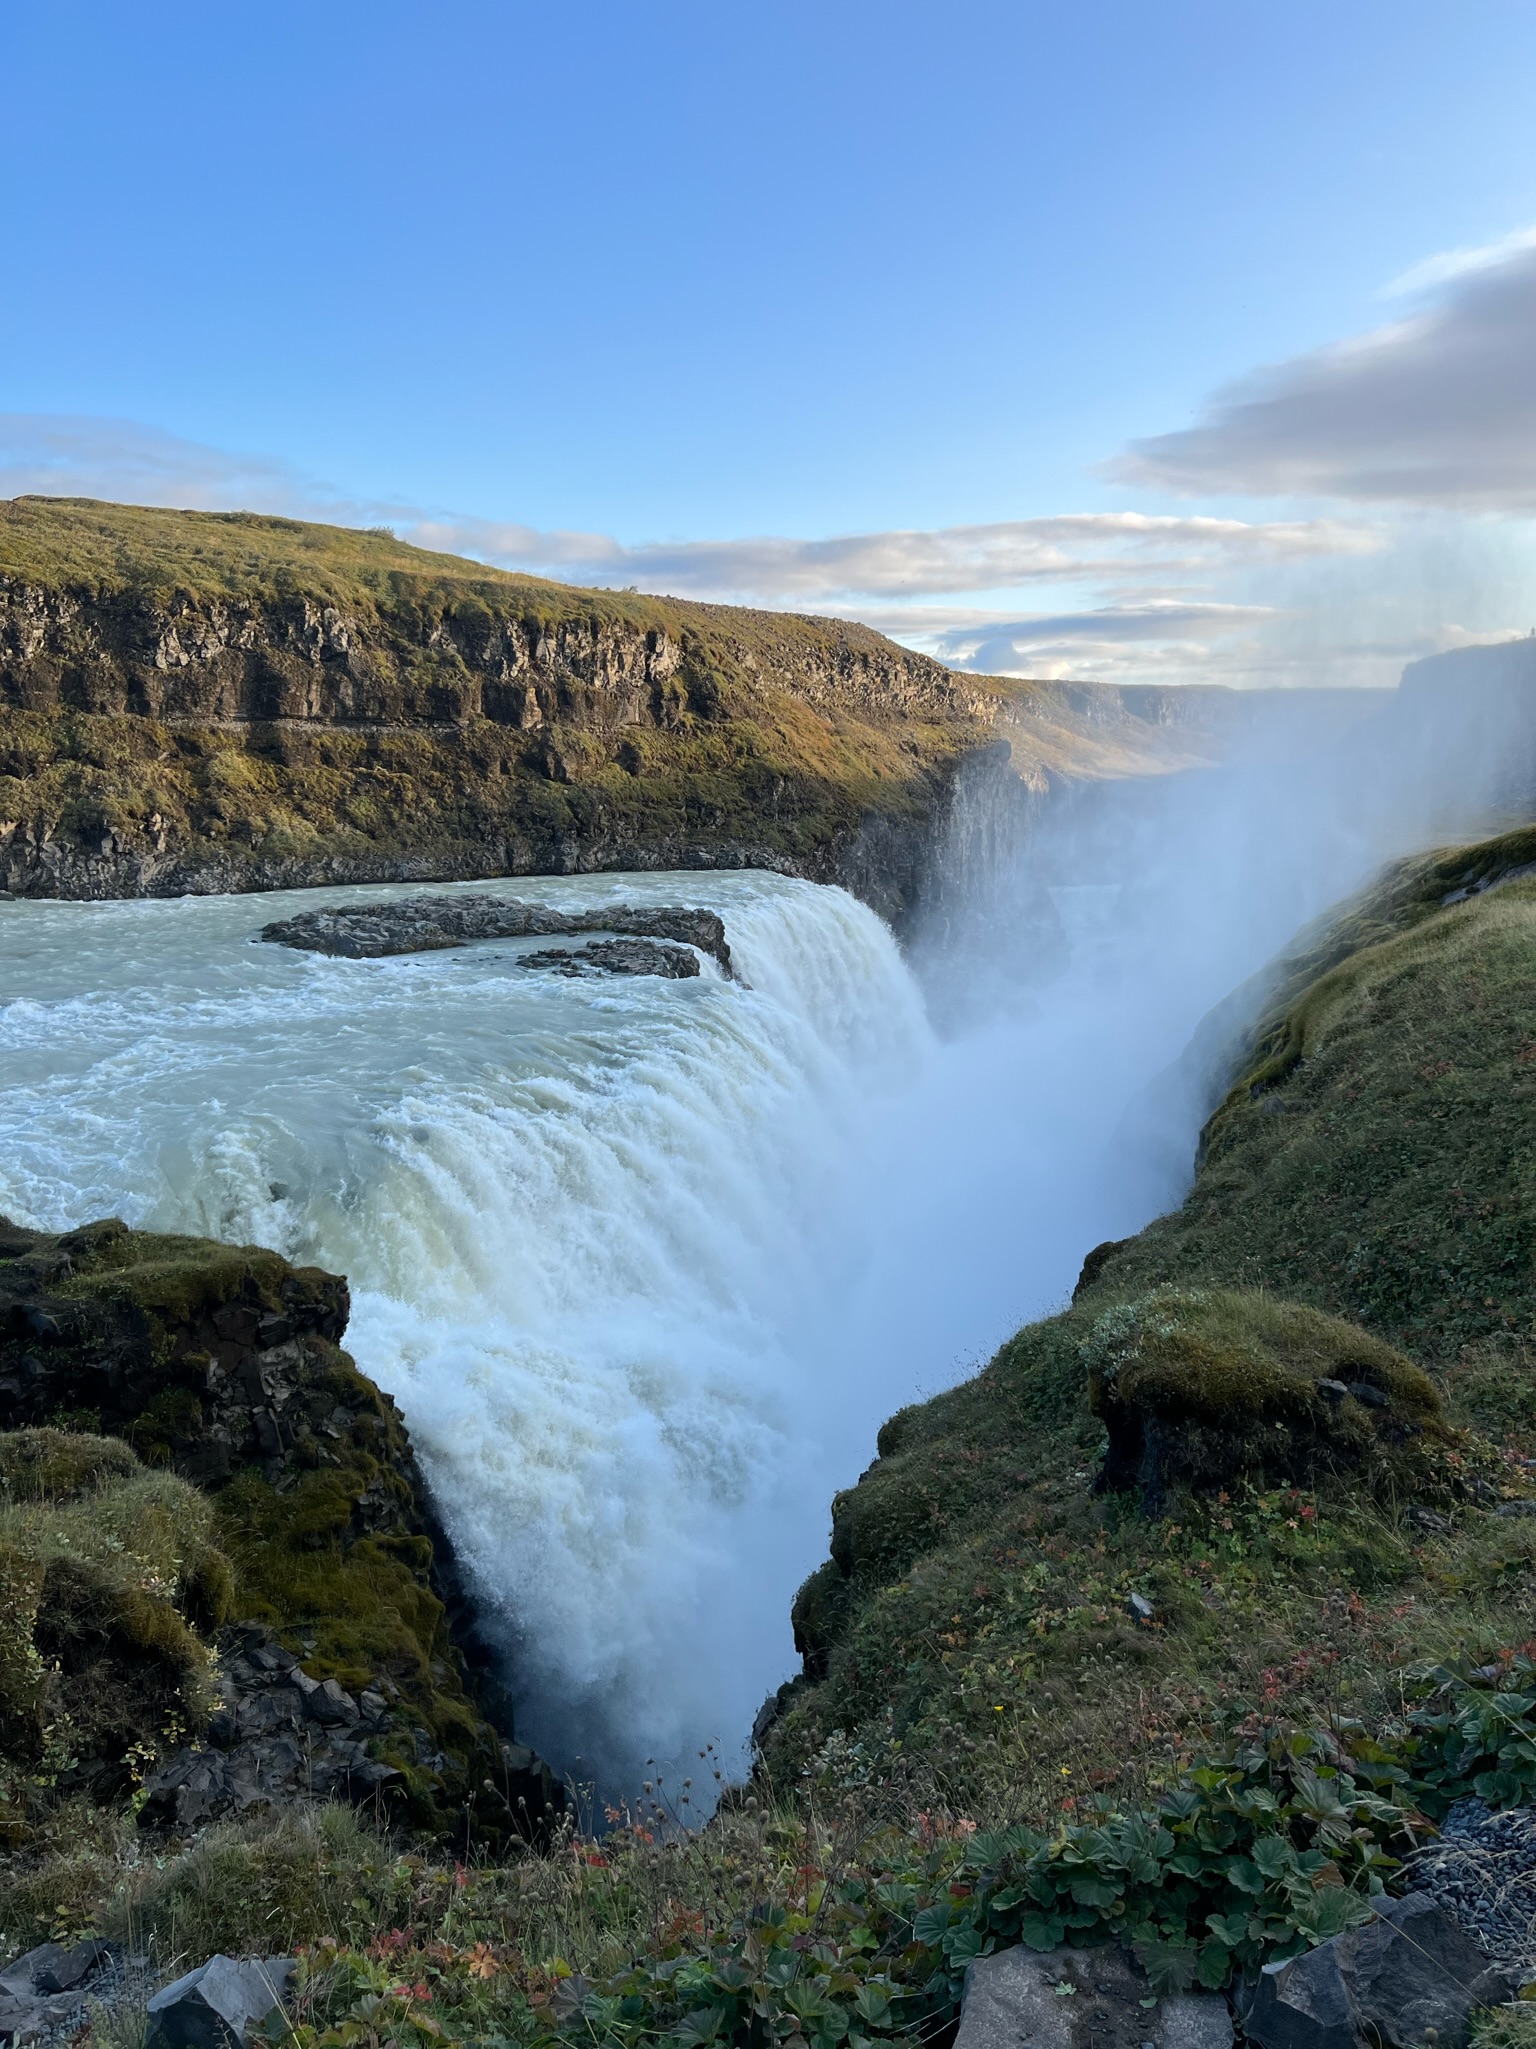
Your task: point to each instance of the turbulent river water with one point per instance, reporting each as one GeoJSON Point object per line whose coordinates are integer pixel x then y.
{"type": "Point", "coordinates": [644, 1262]}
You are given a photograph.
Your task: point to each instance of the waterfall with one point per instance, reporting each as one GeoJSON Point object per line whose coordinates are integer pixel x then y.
{"type": "Point", "coordinates": [590, 1227]}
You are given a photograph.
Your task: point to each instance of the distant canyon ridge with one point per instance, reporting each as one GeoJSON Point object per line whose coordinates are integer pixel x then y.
{"type": "Point", "coordinates": [194, 702]}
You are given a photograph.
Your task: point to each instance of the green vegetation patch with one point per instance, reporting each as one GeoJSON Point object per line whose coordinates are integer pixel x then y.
{"type": "Point", "coordinates": [1203, 1389]}
{"type": "Point", "coordinates": [105, 1570]}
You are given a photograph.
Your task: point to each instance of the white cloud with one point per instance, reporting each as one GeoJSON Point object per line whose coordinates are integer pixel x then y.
{"type": "Point", "coordinates": [1454, 263]}
{"type": "Point", "coordinates": [1003, 556]}
{"type": "Point", "coordinates": [1438, 410]}
{"type": "Point", "coordinates": [1110, 642]}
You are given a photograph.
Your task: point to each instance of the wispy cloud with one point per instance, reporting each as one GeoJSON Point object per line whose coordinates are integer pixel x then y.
{"type": "Point", "coordinates": [1112, 641]}
{"type": "Point", "coordinates": [1438, 409]}
{"type": "Point", "coordinates": [1453, 263]}
{"type": "Point", "coordinates": [1007, 555]}
{"type": "Point", "coordinates": [66, 456]}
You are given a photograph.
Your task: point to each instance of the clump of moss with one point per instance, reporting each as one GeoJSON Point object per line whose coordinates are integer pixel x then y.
{"type": "Point", "coordinates": [53, 1465]}
{"type": "Point", "coordinates": [103, 1566]}
{"type": "Point", "coordinates": [1207, 1389]}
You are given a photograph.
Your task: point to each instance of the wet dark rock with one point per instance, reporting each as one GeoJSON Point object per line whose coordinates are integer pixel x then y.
{"type": "Point", "coordinates": [617, 957]}
{"type": "Point", "coordinates": [219, 2005]}
{"type": "Point", "coordinates": [427, 924]}
{"type": "Point", "coordinates": [1082, 1999]}
{"type": "Point", "coordinates": [1387, 1984]}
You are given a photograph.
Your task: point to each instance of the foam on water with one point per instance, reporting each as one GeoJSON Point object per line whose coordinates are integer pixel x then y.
{"type": "Point", "coordinates": [584, 1224]}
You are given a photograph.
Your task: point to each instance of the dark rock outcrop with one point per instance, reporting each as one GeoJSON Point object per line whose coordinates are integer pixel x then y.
{"type": "Point", "coordinates": [280, 1738]}
{"type": "Point", "coordinates": [617, 957]}
{"type": "Point", "coordinates": [1082, 1999]}
{"type": "Point", "coordinates": [429, 924]}
{"type": "Point", "coordinates": [220, 2005]}
{"type": "Point", "coordinates": [1408, 1977]}
{"type": "Point", "coordinates": [223, 1364]}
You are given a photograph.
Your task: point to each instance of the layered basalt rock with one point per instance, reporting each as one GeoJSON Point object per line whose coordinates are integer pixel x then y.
{"type": "Point", "coordinates": [223, 1364]}
{"type": "Point", "coordinates": [201, 702]}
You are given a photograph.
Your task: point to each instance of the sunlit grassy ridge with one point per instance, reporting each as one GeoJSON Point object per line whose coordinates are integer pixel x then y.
{"type": "Point", "coordinates": [263, 700]}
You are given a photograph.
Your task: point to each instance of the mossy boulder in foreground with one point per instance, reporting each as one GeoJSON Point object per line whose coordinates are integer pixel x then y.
{"type": "Point", "coordinates": [1206, 1388]}
{"type": "Point", "coordinates": [218, 1369]}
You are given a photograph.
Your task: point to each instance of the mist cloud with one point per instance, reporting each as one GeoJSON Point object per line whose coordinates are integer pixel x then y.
{"type": "Point", "coordinates": [1437, 409]}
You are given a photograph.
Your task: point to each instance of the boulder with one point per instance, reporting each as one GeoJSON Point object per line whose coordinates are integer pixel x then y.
{"type": "Point", "coordinates": [1386, 1984]}
{"type": "Point", "coordinates": [45, 1991]}
{"type": "Point", "coordinates": [427, 924]}
{"type": "Point", "coordinates": [219, 2004]}
{"type": "Point", "coordinates": [1082, 1999]}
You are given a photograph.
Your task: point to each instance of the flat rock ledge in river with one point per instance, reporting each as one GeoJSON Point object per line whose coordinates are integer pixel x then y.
{"type": "Point", "coordinates": [427, 924]}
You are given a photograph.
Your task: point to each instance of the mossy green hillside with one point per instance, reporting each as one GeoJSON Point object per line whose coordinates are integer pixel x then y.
{"type": "Point", "coordinates": [1375, 1156]}
{"type": "Point", "coordinates": [220, 1364]}
{"type": "Point", "coordinates": [1304, 1543]}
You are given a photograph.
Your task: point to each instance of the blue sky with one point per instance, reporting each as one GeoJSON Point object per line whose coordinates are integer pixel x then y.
{"type": "Point", "coordinates": [580, 287]}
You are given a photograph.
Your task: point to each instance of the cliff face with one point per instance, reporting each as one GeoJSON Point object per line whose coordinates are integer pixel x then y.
{"type": "Point", "coordinates": [195, 702]}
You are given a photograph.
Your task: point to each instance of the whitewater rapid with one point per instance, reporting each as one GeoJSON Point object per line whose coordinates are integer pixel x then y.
{"type": "Point", "coordinates": [591, 1228]}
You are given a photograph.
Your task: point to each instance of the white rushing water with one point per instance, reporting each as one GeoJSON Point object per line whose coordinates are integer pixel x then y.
{"type": "Point", "coordinates": [646, 1262]}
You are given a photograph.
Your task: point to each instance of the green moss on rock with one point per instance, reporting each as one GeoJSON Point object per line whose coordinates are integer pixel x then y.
{"type": "Point", "coordinates": [102, 1668]}
{"type": "Point", "coordinates": [220, 1366]}
{"type": "Point", "coordinates": [1212, 1388]}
